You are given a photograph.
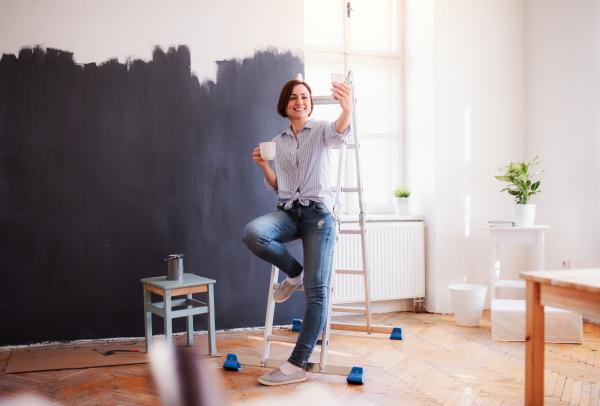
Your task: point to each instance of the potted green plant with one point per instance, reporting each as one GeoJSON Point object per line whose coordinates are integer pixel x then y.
{"type": "Point", "coordinates": [401, 195]}
{"type": "Point", "coordinates": [522, 188]}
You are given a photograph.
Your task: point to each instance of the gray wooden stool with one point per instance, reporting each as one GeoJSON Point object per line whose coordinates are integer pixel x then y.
{"type": "Point", "coordinates": [189, 284]}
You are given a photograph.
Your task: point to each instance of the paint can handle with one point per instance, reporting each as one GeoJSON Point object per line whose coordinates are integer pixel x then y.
{"type": "Point", "coordinates": [173, 256]}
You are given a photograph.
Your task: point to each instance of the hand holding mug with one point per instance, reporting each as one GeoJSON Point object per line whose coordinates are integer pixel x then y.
{"type": "Point", "coordinates": [264, 153]}
{"type": "Point", "coordinates": [267, 150]}
{"type": "Point", "coordinates": [256, 157]}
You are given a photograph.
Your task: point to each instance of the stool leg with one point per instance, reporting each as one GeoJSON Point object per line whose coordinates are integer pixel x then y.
{"type": "Point", "coordinates": [190, 325]}
{"type": "Point", "coordinates": [147, 318]}
{"type": "Point", "coordinates": [168, 322]}
{"type": "Point", "coordinates": [212, 345]}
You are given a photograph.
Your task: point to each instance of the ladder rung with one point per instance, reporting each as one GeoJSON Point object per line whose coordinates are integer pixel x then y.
{"type": "Point", "coordinates": [348, 326]}
{"type": "Point", "coordinates": [350, 271]}
{"type": "Point", "coordinates": [349, 231]}
{"type": "Point", "coordinates": [310, 366]}
{"type": "Point", "coordinates": [348, 146]}
{"type": "Point", "coordinates": [345, 189]}
{"type": "Point", "coordinates": [282, 339]}
{"type": "Point", "coordinates": [289, 339]}
{"type": "Point", "coordinates": [349, 309]}
{"type": "Point", "coordinates": [361, 327]}
{"type": "Point", "coordinates": [319, 100]}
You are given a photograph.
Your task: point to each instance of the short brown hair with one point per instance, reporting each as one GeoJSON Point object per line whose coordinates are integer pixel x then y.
{"type": "Point", "coordinates": [286, 92]}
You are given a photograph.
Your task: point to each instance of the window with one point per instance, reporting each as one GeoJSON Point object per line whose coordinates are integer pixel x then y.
{"type": "Point", "coordinates": [368, 42]}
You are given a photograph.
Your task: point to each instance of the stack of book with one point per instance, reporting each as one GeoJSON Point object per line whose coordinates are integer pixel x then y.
{"type": "Point", "coordinates": [500, 223]}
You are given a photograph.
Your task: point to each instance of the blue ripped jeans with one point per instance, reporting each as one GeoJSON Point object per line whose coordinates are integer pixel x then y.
{"type": "Point", "coordinates": [315, 226]}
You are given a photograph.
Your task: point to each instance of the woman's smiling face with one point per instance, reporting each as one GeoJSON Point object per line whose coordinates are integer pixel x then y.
{"type": "Point", "coordinates": [299, 103]}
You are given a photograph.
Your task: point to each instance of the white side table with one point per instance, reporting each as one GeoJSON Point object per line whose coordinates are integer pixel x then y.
{"type": "Point", "coordinates": [514, 235]}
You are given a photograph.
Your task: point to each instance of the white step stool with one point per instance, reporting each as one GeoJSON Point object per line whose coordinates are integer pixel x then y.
{"type": "Point", "coordinates": [508, 323]}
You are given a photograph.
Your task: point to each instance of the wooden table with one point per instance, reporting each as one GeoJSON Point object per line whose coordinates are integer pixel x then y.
{"type": "Point", "coordinates": [577, 290]}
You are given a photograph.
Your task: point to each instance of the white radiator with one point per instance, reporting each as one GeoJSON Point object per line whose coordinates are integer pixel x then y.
{"type": "Point", "coordinates": [396, 259]}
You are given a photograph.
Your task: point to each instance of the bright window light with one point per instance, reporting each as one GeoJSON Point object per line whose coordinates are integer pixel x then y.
{"type": "Point", "coordinates": [368, 44]}
{"type": "Point", "coordinates": [374, 25]}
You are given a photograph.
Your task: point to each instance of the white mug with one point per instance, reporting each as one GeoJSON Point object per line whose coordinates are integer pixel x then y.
{"type": "Point", "coordinates": [267, 151]}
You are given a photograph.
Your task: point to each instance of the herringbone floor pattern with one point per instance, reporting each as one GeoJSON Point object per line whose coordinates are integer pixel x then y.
{"type": "Point", "coordinates": [437, 363]}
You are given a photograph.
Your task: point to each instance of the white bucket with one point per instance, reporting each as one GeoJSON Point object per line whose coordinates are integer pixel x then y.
{"type": "Point", "coordinates": [467, 301]}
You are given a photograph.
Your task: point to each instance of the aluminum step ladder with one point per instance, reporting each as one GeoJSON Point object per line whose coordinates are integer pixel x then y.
{"type": "Point", "coordinates": [355, 375]}
{"type": "Point", "coordinates": [368, 327]}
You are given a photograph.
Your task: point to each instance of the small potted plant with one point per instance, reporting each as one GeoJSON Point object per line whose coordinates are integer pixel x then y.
{"type": "Point", "coordinates": [523, 213]}
{"type": "Point", "coordinates": [401, 200]}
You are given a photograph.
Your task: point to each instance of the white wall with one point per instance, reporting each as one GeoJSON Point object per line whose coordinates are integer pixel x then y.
{"type": "Point", "coordinates": [512, 79]}
{"type": "Point", "coordinates": [480, 126]}
{"type": "Point", "coordinates": [419, 126]}
{"type": "Point", "coordinates": [478, 122]}
{"type": "Point", "coordinates": [563, 125]}
{"type": "Point", "coordinates": [99, 30]}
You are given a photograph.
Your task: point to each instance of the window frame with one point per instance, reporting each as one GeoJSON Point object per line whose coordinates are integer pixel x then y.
{"type": "Point", "coordinates": [349, 57]}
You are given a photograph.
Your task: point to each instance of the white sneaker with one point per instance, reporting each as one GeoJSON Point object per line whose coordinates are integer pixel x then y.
{"type": "Point", "coordinates": [285, 290]}
{"type": "Point", "coordinates": [276, 377]}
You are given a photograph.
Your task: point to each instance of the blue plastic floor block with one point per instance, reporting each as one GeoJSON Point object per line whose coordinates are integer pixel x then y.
{"type": "Point", "coordinates": [397, 334]}
{"type": "Point", "coordinates": [356, 376]}
{"type": "Point", "coordinates": [231, 363]}
{"type": "Point", "coordinates": [296, 325]}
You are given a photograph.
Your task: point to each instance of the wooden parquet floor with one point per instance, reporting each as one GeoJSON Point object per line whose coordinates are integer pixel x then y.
{"type": "Point", "coordinates": [437, 363]}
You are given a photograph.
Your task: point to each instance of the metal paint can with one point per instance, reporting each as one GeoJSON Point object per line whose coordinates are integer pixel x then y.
{"type": "Point", "coordinates": [174, 267]}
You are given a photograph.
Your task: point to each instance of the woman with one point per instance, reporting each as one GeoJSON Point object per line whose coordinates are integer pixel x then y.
{"type": "Point", "coordinates": [300, 178]}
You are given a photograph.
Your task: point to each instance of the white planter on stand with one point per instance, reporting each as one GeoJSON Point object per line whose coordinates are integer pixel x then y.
{"type": "Point", "coordinates": [523, 214]}
{"type": "Point", "coordinates": [467, 301]}
{"type": "Point", "coordinates": [401, 205]}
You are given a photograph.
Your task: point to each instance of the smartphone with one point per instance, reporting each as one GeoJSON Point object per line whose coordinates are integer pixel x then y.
{"type": "Point", "coordinates": [337, 77]}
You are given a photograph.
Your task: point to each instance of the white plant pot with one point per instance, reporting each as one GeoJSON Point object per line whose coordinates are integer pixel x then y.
{"type": "Point", "coordinates": [523, 214]}
{"type": "Point", "coordinates": [401, 205]}
{"type": "Point", "coordinates": [467, 302]}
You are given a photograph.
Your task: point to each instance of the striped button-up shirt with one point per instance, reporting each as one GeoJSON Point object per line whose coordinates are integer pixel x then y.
{"type": "Point", "coordinates": [302, 165]}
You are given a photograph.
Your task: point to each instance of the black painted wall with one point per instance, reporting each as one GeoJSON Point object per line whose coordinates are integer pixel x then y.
{"type": "Point", "coordinates": [105, 170]}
